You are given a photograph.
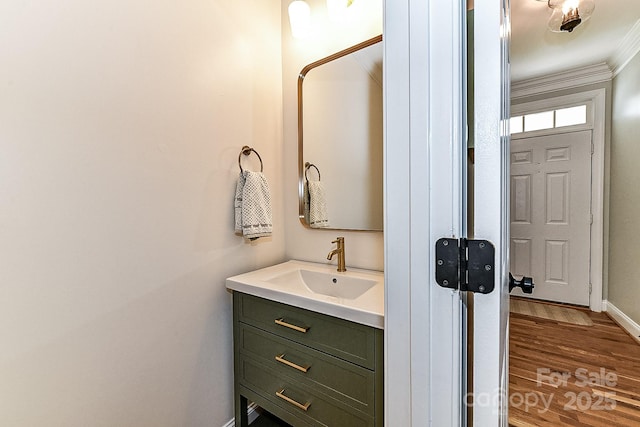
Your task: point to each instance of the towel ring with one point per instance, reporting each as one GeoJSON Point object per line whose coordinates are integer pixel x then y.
{"type": "Point", "coordinates": [246, 150]}
{"type": "Point", "coordinates": [306, 168]}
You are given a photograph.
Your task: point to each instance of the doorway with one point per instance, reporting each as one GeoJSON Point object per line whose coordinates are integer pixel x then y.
{"type": "Point", "coordinates": [557, 197]}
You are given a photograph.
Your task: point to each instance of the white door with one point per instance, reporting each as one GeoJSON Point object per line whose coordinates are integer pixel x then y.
{"type": "Point", "coordinates": [551, 215]}
{"type": "Point", "coordinates": [491, 201]}
{"type": "Point", "coordinates": [424, 157]}
{"type": "Point", "coordinates": [424, 140]}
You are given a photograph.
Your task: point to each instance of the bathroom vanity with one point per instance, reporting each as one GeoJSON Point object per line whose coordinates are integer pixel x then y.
{"type": "Point", "coordinates": [312, 359]}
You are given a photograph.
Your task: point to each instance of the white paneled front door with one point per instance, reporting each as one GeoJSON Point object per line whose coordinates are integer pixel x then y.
{"type": "Point", "coordinates": [551, 215]}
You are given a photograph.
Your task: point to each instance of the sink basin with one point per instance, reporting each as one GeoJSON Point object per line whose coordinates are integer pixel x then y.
{"type": "Point", "coordinates": [356, 295]}
{"type": "Point", "coordinates": [334, 285]}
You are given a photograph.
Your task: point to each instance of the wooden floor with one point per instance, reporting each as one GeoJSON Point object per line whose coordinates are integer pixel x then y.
{"type": "Point", "coordinates": [568, 375]}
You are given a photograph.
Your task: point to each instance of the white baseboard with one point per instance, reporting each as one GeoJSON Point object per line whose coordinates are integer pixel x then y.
{"type": "Point", "coordinates": [251, 413]}
{"type": "Point", "coordinates": [627, 323]}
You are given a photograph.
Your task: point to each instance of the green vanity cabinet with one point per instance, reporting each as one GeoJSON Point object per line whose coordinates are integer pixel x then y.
{"type": "Point", "coordinates": [307, 368]}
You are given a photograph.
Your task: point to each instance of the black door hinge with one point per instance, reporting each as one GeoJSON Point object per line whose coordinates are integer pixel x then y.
{"type": "Point", "coordinates": [465, 265]}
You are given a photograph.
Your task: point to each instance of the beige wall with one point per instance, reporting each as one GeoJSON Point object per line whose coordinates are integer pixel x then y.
{"type": "Point", "coordinates": [120, 127]}
{"type": "Point", "coordinates": [624, 239]}
{"type": "Point", "coordinates": [363, 249]}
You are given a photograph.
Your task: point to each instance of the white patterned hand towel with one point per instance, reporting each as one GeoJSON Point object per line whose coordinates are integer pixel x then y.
{"type": "Point", "coordinates": [318, 217]}
{"type": "Point", "coordinates": [237, 204]}
{"type": "Point", "coordinates": [253, 206]}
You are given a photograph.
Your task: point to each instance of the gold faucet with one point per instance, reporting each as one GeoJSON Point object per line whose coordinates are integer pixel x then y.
{"type": "Point", "coordinates": [340, 251]}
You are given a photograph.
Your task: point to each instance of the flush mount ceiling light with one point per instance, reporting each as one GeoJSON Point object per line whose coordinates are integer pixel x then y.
{"type": "Point", "coordinates": [568, 14]}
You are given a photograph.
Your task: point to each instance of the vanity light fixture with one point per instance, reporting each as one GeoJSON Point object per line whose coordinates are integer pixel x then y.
{"type": "Point", "coordinates": [568, 14]}
{"type": "Point", "coordinates": [299, 18]}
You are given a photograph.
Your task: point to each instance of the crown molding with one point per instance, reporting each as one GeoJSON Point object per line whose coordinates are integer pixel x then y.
{"type": "Point", "coordinates": [628, 49]}
{"type": "Point", "coordinates": [581, 76]}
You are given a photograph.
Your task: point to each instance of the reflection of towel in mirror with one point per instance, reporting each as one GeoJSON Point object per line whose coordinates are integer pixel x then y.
{"type": "Point", "coordinates": [315, 205]}
{"type": "Point", "coordinates": [305, 198]}
{"type": "Point", "coordinates": [253, 206]}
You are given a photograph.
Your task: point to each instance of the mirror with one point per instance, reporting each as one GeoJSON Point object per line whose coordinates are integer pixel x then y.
{"type": "Point", "coordinates": [340, 139]}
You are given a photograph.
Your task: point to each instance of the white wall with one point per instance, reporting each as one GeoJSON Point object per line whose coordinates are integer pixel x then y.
{"type": "Point", "coordinates": [363, 249]}
{"type": "Point", "coordinates": [120, 127]}
{"type": "Point", "coordinates": [624, 287]}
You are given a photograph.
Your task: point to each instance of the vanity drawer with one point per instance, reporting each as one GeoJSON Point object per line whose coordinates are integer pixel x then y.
{"type": "Point", "coordinates": [347, 340]}
{"type": "Point", "coordinates": [309, 405]}
{"type": "Point", "coordinates": [329, 375]}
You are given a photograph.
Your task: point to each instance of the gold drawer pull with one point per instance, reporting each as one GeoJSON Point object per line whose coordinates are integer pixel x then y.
{"type": "Point", "coordinates": [281, 359]}
{"type": "Point", "coordinates": [281, 322]}
{"type": "Point", "coordinates": [281, 395]}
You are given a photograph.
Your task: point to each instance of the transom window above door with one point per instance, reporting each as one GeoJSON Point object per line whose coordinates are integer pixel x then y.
{"type": "Point", "coordinates": [561, 117]}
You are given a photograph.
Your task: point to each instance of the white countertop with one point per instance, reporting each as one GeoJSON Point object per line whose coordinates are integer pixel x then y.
{"type": "Point", "coordinates": [283, 283]}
